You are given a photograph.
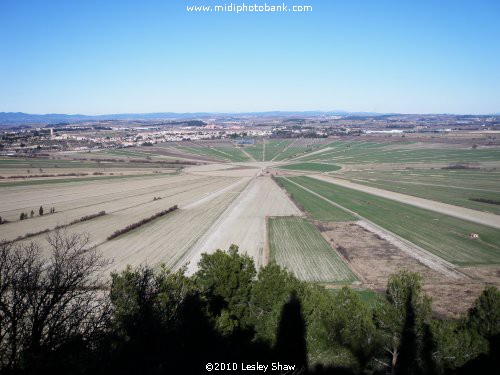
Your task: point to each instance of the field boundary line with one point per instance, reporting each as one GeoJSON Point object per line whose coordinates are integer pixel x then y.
{"type": "Point", "coordinates": [210, 196]}
{"type": "Point", "coordinates": [265, 252]}
{"type": "Point", "coordinates": [247, 154]}
{"type": "Point", "coordinates": [283, 150]}
{"type": "Point", "coordinates": [463, 213]}
{"type": "Point", "coordinates": [431, 260]}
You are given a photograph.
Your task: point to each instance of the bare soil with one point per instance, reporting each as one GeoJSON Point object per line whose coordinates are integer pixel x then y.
{"type": "Point", "coordinates": [374, 259]}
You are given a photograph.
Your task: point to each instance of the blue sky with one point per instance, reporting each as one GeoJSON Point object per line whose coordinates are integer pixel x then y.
{"type": "Point", "coordinates": [96, 57]}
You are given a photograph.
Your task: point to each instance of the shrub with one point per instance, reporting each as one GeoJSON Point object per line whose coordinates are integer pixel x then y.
{"type": "Point", "coordinates": [140, 223]}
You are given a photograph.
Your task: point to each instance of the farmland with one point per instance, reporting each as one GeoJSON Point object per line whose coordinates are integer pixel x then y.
{"type": "Point", "coordinates": [445, 236]}
{"type": "Point", "coordinates": [225, 151]}
{"type": "Point", "coordinates": [273, 147]}
{"type": "Point", "coordinates": [380, 152]}
{"type": "Point", "coordinates": [313, 167]}
{"type": "Point", "coordinates": [471, 188]}
{"type": "Point", "coordinates": [298, 246]}
{"type": "Point", "coordinates": [314, 205]}
{"type": "Point", "coordinates": [244, 223]}
{"type": "Point", "coordinates": [256, 151]}
{"type": "Point", "coordinates": [301, 147]}
{"type": "Point", "coordinates": [308, 219]}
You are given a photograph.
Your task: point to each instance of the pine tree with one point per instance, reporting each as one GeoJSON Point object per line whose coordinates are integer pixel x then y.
{"type": "Point", "coordinates": [40, 211]}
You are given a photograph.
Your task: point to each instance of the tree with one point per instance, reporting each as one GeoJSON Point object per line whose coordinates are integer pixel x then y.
{"type": "Point", "coordinates": [32, 213]}
{"type": "Point", "coordinates": [456, 344]}
{"type": "Point", "coordinates": [402, 316]}
{"type": "Point", "coordinates": [21, 217]}
{"type": "Point", "coordinates": [484, 316]}
{"type": "Point", "coordinates": [349, 331]}
{"type": "Point", "coordinates": [271, 290]}
{"type": "Point", "coordinates": [225, 280]}
{"type": "Point", "coordinates": [40, 211]}
{"type": "Point", "coordinates": [46, 304]}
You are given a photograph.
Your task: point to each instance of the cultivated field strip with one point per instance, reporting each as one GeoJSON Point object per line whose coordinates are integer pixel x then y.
{"type": "Point", "coordinates": [302, 146]}
{"type": "Point", "coordinates": [313, 167]}
{"type": "Point", "coordinates": [442, 235]}
{"type": "Point", "coordinates": [222, 151]}
{"type": "Point", "coordinates": [244, 222]}
{"type": "Point", "coordinates": [297, 245]}
{"type": "Point", "coordinates": [465, 188]}
{"type": "Point", "coordinates": [256, 151]}
{"type": "Point", "coordinates": [66, 197]}
{"type": "Point", "coordinates": [121, 209]}
{"type": "Point", "coordinates": [483, 218]}
{"type": "Point", "coordinates": [273, 148]}
{"type": "Point", "coordinates": [361, 152]}
{"type": "Point", "coordinates": [167, 240]}
{"type": "Point", "coordinates": [313, 205]}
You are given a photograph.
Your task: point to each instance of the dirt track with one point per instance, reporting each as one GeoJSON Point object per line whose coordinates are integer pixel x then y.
{"type": "Point", "coordinates": [443, 208]}
{"type": "Point", "coordinates": [244, 222]}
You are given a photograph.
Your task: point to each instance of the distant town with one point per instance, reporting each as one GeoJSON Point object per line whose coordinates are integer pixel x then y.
{"type": "Point", "coordinates": [27, 137]}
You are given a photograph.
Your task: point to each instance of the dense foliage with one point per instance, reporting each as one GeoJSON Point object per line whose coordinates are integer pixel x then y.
{"type": "Point", "coordinates": [55, 319]}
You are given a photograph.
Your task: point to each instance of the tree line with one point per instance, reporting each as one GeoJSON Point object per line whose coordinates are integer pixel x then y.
{"type": "Point", "coordinates": [58, 315]}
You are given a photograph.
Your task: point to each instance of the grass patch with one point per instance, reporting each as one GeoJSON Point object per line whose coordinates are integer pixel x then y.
{"type": "Point", "coordinates": [297, 245]}
{"type": "Point", "coordinates": [315, 167]}
{"type": "Point", "coordinates": [361, 152]}
{"type": "Point", "coordinates": [273, 147]}
{"type": "Point", "coordinates": [475, 189]}
{"type": "Point", "coordinates": [256, 151]}
{"type": "Point", "coordinates": [313, 205]}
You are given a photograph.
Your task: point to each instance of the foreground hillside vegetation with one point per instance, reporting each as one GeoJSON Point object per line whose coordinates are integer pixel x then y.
{"type": "Point", "coordinates": [57, 317]}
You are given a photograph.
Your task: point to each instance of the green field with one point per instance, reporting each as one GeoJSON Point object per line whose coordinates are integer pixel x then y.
{"type": "Point", "coordinates": [363, 152]}
{"type": "Point", "coordinates": [295, 150]}
{"type": "Point", "coordinates": [233, 153]}
{"type": "Point", "coordinates": [256, 151]}
{"type": "Point", "coordinates": [317, 208]}
{"type": "Point", "coordinates": [297, 245]}
{"type": "Point", "coordinates": [221, 153]}
{"type": "Point", "coordinates": [204, 151]}
{"type": "Point", "coordinates": [273, 147]}
{"type": "Point", "coordinates": [315, 167]}
{"type": "Point", "coordinates": [443, 235]}
{"type": "Point", "coordinates": [457, 187]}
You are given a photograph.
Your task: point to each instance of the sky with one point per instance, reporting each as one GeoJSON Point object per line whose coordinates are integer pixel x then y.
{"type": "Point", "coordinates": [100, 57]}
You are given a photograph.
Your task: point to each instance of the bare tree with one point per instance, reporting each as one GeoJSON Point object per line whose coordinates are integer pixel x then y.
{"type": "Point", "coordinates": [46, 302]}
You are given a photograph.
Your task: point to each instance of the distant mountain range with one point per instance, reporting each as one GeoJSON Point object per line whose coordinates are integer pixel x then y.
{"type": "Point", "coordinates": [19, 118]}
